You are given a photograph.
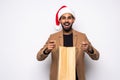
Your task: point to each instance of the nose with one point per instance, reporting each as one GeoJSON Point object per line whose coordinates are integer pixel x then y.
{"type": "Point", "coordinates": [66, 20]}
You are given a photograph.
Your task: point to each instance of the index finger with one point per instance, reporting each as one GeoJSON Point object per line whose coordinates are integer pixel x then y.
{"type": "Point", "coordinates": [84, 42]}
{"type": "Point", "coordinates": [52, 41]}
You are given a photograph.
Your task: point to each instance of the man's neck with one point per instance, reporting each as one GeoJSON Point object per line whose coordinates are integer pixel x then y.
{"type": "Point", "coordinates": [67, 33]}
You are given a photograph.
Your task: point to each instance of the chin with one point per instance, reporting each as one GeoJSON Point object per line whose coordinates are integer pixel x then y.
{"type": "Point", "coordinates": [67, 29]}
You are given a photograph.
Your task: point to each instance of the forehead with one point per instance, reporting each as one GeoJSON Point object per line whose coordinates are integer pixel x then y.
{"type": "Point", "coordinates": [66, 15]}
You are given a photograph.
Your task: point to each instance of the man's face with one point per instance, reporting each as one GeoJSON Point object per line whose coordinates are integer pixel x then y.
{"type": "Point", "coordinates": [67, 21]}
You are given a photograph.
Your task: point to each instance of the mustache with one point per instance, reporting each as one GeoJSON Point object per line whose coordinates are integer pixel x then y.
{"type": "Point", "coordinates": [66, 23]}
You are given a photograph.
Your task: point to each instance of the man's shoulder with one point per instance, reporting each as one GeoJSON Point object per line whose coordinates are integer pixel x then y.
{"type": "Point", "coordinates": [56, 33]}
{"type": "Point", "coordinates": [78, 32]}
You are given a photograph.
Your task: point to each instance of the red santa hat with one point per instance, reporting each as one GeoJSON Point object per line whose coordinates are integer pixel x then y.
{"type": "Point", "coordinates": [64, 9]}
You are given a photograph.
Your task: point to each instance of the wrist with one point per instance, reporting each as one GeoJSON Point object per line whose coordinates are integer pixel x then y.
{"type": "Point", "coordinates": [91, 50]}
{"type": "Point", "coordinates": [46, 51]}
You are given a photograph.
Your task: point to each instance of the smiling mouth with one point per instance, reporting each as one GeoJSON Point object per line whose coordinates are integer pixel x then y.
{"type": "Point", "coordinates": [66, 24]}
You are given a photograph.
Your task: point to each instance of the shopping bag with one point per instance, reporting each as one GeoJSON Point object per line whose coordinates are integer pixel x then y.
{"type": "Point", "coordinates": [66, 66]}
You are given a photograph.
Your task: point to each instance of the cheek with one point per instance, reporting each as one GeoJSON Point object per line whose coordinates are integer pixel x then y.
{"type": "Point", "coordinates": [61, 21]}
{"type": "Point", "coordinates": [71, 21]}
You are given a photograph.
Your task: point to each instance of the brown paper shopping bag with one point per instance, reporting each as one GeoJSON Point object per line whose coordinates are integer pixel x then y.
{"type": "Point", "coordinates": [66, 68]}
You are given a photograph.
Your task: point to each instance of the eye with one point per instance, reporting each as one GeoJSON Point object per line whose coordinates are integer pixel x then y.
{"type": "Point", "coordinates": [70, 17]}
{"type": "Point", "coordinates": [63, 17]}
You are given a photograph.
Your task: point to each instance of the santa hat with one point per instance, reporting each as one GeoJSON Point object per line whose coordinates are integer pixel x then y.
{"type": "Point", "coordinates": [64, 9]}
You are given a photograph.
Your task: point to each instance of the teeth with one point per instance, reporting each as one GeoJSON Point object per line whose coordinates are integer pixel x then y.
{"type": "Point", "coordinates": [66, 24]}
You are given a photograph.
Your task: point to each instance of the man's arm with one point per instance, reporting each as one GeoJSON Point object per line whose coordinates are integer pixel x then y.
{"type": "Point", "coordinates": [44, 52]}
{"type": "Point", "coordinates": [41, 55]}
{"type": "Point", "coordinates": [93, 53]}
{"type": "Point", "coordinates": [89, 49]}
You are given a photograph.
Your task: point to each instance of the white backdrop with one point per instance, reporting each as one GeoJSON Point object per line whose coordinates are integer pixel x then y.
{"type": "Point", "coordinates": [25, 25]}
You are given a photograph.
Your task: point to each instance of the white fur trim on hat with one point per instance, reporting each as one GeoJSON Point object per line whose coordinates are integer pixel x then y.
{"type": "Point", "coordinates": [65, 10]}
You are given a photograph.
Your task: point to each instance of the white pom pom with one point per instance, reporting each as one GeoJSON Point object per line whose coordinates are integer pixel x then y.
{"type": "Point", "coordinates": [58, 28]}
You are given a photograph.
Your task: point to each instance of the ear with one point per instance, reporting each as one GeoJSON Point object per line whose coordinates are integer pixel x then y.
{"type": "Point", "coordinates": [59, 20]}
{"type": "Point", "coordinates": [73, 20]}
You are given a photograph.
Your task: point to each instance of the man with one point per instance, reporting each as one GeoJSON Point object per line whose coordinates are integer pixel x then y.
{"type": "Point", "coordinates": [67, 37]}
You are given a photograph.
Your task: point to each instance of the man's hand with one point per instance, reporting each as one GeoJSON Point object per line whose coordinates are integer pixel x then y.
{"type": "Point", "coordinates": [84, 46]}
{"type": "Point", "coordinates": [50, 46]}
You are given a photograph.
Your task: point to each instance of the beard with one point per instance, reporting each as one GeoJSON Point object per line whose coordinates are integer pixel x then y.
{"type": "Point", "coordinates": [68, 28]}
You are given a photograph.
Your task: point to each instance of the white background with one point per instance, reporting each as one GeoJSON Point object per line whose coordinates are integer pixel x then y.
{"type": "Point", "coordinates": [25, 25]}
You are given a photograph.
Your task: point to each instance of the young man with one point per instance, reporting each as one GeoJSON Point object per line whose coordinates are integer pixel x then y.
{"type": "Point", "coordinates": [67, 37]}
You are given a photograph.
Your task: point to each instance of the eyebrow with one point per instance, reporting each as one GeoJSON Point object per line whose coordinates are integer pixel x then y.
{"type": "Point", "coordinates": [67, 17]}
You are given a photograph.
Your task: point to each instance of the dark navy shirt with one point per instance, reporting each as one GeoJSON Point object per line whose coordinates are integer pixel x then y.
{"type": "Point", "coordinates": [68, 40]}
